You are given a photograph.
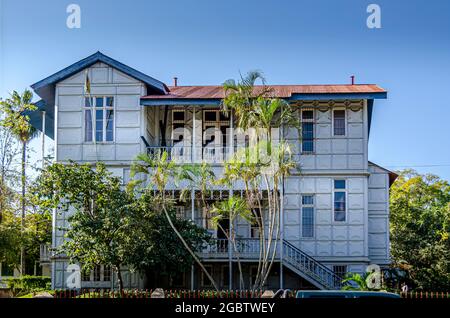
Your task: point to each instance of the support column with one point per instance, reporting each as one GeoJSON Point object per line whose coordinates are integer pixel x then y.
{"type": "Point", "coordinates": [231, 225]}
{"type": "Point", "coordinates": [194, 135]}
{"type": "Point", "coordinates": [43, 139]}
{"type": "Point", "coordinates": [281, 133]}
{"type": "Point", "coordinates": [193, 220]}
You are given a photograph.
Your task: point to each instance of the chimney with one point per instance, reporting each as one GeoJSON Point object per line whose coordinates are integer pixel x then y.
{"type": "Point", "coordinates": [175, 81]}
{"type": "Point", "coordinates": [353, 79]}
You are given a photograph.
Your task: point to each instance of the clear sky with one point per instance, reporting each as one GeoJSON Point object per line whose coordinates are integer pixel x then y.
{"type": "Point", "coordinates": [292, 42]}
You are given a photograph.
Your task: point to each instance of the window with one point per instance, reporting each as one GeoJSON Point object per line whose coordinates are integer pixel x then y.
{"type": "Point", "coordinates": [85, 275]}
{"type": "Point", "coordinates": [210, 115]}
{"type": "Point", "coordinates": [179, 212]}
{"type": "Point", "coordinates": [98, 274]}
{"type": "Point", "coordinates": [97, 271]}
{"type": "Point", "coordinates": [307, 131]}
{"type": "Point", "coordinates": [99, 118]}
{"type": "Point", "coordinates": [178, 115]}
{"type": "Point", "coordinates": [307, 216]}
{"type": "Point", "coordinates": [340, 270]}
{"type": "Point", "coordinates": [205, 282]}
{"type": "Point", "coordinates": [339, 122]}
{"type": "Point", "coordinates": [340, 199]}
{"type": "Point", "coordinates": [106, 273]}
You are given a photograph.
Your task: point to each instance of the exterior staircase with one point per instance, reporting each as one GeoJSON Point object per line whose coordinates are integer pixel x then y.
{"type": "Point", "coordinates": [293, 258]}
{"type": "Point", "coordinates": [309, 268]}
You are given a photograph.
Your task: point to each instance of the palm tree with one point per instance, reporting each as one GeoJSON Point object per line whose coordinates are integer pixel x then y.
{"type": "Point", "coordinates": [256, 107]}
{"type": "Point", "coordinates": [17, 121]}
{"type": "Point", "coordinates": [162, 170]}
{"type": "Point", "coordinates": [232, 209]}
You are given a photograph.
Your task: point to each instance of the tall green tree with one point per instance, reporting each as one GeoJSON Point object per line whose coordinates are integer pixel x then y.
{"type": "Point", "coordinates": [15, 119]}
{"type": "Point", "coordinates": [101, 219]}
{"type": "Point", "coordinates": [256, 107]}
{"type": "Point", "coordinates": [420, 227]}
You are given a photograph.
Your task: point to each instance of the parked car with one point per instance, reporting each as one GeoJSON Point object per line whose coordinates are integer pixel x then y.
{"type": "Point", "coordinates": [343, 294]}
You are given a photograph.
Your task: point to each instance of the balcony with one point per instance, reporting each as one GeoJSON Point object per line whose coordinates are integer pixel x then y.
{"type": "Point", "coordinates": [192, 154]}
{"type": "Point", "coordinates": [247, 248]}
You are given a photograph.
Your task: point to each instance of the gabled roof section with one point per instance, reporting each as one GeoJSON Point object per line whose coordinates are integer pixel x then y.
{"type": "Point", "coordinates": [392, 175]}
{"type": "Point", "coordinates": [91, 60]}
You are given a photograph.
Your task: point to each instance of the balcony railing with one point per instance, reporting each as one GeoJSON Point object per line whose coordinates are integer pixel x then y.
{"type": "Point", "coordinates": [246, 248]}
{"type": "Point", "coordinates": [187, 154]}
{"type": "Point", "coordinates": [44, 253]}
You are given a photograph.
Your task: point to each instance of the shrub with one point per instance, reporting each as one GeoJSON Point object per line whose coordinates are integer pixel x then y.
{"type": "Point", "coordinates": [28, 284]}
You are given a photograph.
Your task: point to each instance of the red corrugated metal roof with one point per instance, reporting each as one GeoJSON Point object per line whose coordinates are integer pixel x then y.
{"type": "Point", "coordinates": [282, 91]}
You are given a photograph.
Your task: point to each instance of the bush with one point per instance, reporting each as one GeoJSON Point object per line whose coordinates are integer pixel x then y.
{"type": "Point", "coordinates": [28, 284]}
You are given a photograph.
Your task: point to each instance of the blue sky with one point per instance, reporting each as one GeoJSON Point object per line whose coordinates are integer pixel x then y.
{"type": "Point", "coordinates": [292, 42]}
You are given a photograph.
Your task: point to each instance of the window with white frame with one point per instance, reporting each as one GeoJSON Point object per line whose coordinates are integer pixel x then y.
{"type": "Point", "coordinates": [340, 200]}
{"type": "Point", "coordinates": [99, 119]}
{"type": "Point", "coordinates": [340, 270]}
{"type": "Point", "coordinates": [339, 122]}
{"type": "Point", "coordinates": [307, 131]}
{"type": "Point", "coordinates": [307, 216]}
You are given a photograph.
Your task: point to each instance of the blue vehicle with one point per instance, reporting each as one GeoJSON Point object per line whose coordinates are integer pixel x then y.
{"type": "Point", "coordinates": [343, 294]}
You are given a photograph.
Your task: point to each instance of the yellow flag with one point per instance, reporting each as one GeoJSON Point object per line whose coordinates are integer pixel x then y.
{"type": "Point", "coordinates": [87, 84]}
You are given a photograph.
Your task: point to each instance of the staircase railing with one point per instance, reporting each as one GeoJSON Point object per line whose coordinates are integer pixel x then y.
{"type": "Point", "coordinates": [310, 267]}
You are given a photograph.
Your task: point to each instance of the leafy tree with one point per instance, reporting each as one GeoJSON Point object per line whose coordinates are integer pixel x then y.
{"type": "Point", "coordinates": [155, 247]}
{"type": "Point", "coordinates": [8, 152]}
{"type": "Point", "coordinates": [420, 226]}
{"type": "Point", "coordinates": [111, 226]}
{"type": "Point", "coordinates": [17, 122]}
{"type": "Point", "coordinates": [10, 240]}
{"type": "Point", "coordinates": [102, 220]}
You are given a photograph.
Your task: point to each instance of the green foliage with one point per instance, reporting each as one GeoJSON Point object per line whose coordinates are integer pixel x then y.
{"type": "Point", "coordinates": [420, 226]}
{"type": "Point", "coordinates": [355, 281]}
{"type": "Point", "coordinates": [15, 108]}
{"type": "Point", "coordinates": [10, 239]}
{"type": "Point", "coordinates": [111, 226]}
{"type": "Point", "coordinates": [153, 238]}
{"type": "Point", "coordinates": [28, 284]}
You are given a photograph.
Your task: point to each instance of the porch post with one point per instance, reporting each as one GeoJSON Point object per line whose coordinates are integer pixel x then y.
{"type": "Point", "coordinates": [281, 133]}
{"type": "Point", "coordinates": [231, 225]}
{"type": "Point", "coordinates": [193, 220]}
{"type": "Point", "coordinates": [43, 139]}
{"type": "Point", "coordinates": [194, 137]}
